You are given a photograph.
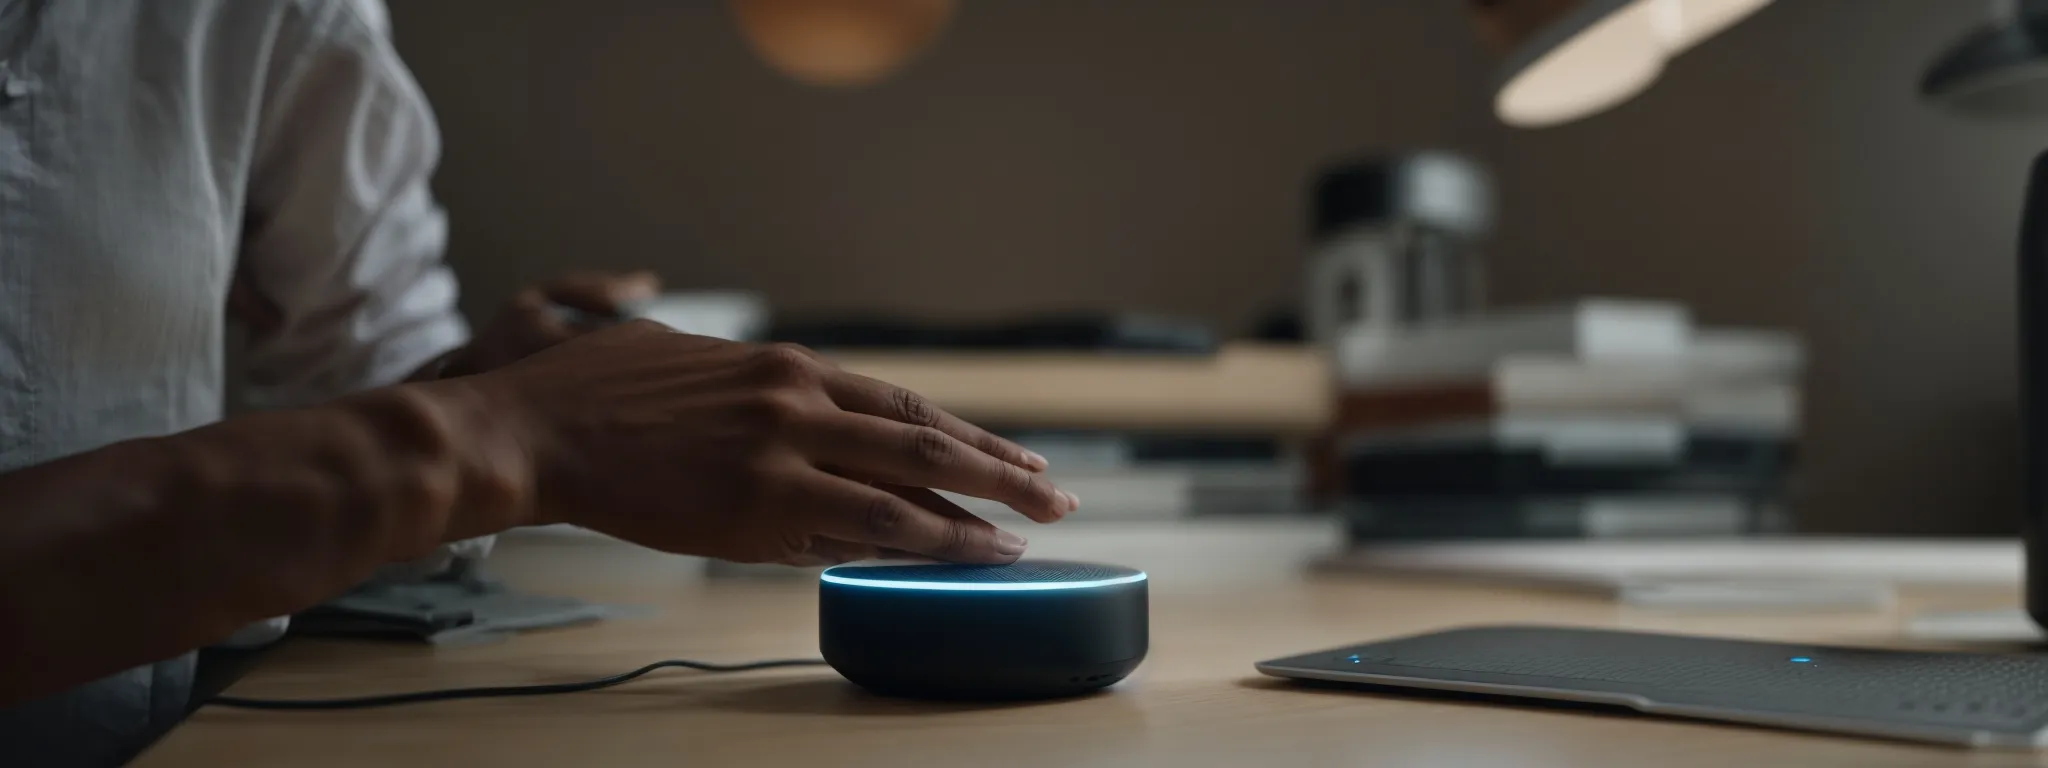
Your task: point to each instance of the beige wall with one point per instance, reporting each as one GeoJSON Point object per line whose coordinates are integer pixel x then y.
{"type": "Point", "coordinates": [1063, 152]}
{"type": "Point", "coordinates": [1785, 174]}
{"type": "Point", "coordinates": [1075, 153]}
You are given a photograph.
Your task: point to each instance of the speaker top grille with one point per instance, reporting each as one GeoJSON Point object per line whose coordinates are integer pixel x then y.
{"type": "Point", "coordinates": [1029, 574]}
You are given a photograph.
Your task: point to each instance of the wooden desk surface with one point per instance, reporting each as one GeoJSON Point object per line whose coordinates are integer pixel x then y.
{"type": "Point", "coordinates": [1196, 701]}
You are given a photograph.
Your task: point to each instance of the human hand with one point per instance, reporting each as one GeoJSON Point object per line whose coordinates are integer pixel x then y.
{"type": "Point", "coordinates": [755, 453]}
{"type": "Point", "coordinates": [535, 319]}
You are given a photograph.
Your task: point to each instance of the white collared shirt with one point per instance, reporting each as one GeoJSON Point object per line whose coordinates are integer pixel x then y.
{"type": "Point", "coordinates": [154, 153]}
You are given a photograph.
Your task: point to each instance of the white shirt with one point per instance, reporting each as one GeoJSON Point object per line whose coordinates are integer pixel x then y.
{"type": "Point", "coordinates": [154, 154]}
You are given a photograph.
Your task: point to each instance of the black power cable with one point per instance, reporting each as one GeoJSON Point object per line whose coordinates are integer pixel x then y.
{"type": "Point", "coordinates": [422, 697]}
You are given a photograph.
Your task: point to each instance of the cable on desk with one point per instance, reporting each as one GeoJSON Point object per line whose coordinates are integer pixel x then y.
{"type": "Point", "coordinates": [421, 697]}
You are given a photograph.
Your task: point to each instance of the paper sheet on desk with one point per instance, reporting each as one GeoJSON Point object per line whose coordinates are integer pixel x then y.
{"type": "Point", "coordinates": [2007, 626]}
{"type": "Point", "coordinates": [459, 607]}
{"type": "Point", "coordinates": [1777, 572]}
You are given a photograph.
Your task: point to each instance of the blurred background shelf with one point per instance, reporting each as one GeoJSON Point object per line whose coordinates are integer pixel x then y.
{"type": "Point", "coordinates": [1241, 389]}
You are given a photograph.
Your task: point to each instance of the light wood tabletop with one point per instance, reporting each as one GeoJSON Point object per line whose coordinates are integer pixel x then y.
{"type": "Point", "coordinates": [1196, 701]}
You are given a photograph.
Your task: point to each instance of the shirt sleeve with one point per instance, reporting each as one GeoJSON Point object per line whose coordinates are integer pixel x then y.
{"type": "Point", "coordinates": [342, 240]}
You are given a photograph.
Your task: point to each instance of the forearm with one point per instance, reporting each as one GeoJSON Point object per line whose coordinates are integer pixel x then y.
{"type": "Point", "coordinates": [149, 548]}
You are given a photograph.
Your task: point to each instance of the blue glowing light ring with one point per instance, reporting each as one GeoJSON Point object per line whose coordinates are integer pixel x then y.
{"type": "Point", "coordinates": [950, 586]}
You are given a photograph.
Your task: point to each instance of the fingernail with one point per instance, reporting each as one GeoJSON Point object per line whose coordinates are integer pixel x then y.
{"type": "Point", "coordinates": [1009, 543]}
{"type": "Point", "coordinates": [1035, 461]}
{"type": "Point", "coordinates": [1073, 502]}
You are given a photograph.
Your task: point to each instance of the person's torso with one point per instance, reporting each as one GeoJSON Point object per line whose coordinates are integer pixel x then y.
{"type": "Point", "coordinates": [125, 135]}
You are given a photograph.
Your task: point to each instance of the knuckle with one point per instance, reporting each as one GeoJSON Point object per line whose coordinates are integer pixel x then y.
{"type": "Point", "coordinates": [644, 325]}
{"type": "Point", "coordinates": [913, 408]}
{"type": "Point", "coordinates": [787, 365]}
{"type": "Point", "coordinates": [932, 447]}
{"type": "Point", "coordinates": [794, 353]}
{"type": "Point", "coordinates": [791, 546]}
{"type": "Point", "coordinates": [992, 445]}
{"type": "Point", "coordinates": [1018, 483]}
{"type": "Point", "coordinates": [958, 542]}
{"type": "Point", "coordinates": [884, 517]}
{"type": "Point", "coordinates": [628, 334]}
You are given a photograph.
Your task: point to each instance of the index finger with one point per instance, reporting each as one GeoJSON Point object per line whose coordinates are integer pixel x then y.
{"type": "Point", "coordinates": [860, 394]}
{"type": "Point", "coordinates": [603, 294]}
{"type": "Point", "coordinates": [862, 514]}
{"type": "Point", "coordinates": [874, 448]}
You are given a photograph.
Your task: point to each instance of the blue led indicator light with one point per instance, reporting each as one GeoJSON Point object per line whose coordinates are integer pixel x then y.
{"type": "Point", "coordinates": [1353, 658]}
{"type": "Point", "coordinates": [959, 586]}
{"type": "Point", "coordinates": [1802, 660]}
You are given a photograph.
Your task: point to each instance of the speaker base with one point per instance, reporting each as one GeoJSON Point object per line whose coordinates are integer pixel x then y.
{"type": "Point", "coordinates": [983, 685]}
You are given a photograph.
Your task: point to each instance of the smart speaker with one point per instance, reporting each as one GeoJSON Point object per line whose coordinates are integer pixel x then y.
{"type": "Point", "coordinates": [1028, 630]}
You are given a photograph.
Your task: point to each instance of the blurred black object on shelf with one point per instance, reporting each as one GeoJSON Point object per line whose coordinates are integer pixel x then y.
{"type": "Point", "coordinates": [1705, 483]}
{"type": "Point", "coordinates": [1705, 463]}
{"type": "Point", "coordinates": [1079, 332]}
{"type": "Point", "coordinates": [1587, 516]}
{"type": "Point", "coordinates": [1281, 326]}
{"type": "Point", "coordinates": [1393, 242]}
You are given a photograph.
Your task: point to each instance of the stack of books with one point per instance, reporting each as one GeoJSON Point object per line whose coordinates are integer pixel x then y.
{"type": "Point", "coordinates": [1600, 419]}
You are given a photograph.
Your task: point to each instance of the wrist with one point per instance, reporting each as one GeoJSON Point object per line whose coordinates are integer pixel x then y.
{"type": "Point", "coordinates": [549, 473]}
{"type": "Point", "coordinates": [459, 457]}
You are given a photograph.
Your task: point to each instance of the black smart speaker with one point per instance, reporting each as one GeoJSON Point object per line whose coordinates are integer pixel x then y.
{"type": "Point", "coordinates": [1028, 630]}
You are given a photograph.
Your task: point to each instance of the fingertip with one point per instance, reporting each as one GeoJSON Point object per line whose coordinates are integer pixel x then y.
{"type": "Point", "coordinates": [1062, 504]}
{"type": "Point", "coordinates": [1009, 544]}
{"type": "Point", "coordinates": [1034, 462]}
{"type": "Point", "coordinates": [641, 285]}
{"type": "Point", "coordinates": [999, 558]}
{"type": "Point", "coordinates": [1044, 517]}
{"type": "Point", "coordinates": [531, 300]}
{"type": "Point", "coordinates": [987, 546]}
